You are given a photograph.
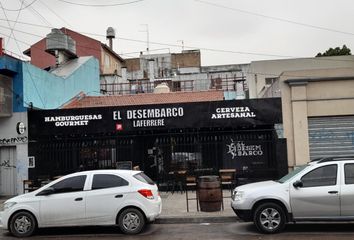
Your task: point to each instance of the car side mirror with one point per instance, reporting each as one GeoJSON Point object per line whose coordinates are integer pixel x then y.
{"type": "Point", "coordinates": [46, 192]}
{"type": "Point", "coordinates": [298, 184]}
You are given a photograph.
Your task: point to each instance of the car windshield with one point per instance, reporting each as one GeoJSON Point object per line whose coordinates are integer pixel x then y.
{"type": "Point", "coordinates": [291, 174]}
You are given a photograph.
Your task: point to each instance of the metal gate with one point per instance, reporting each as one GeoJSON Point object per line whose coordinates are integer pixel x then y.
{"type": "Point", "coordinates": [8, 174]}
{"type": "Point", "coordinates": [160, 154]}
{"type": "Point", "coordinates": [331, 136]}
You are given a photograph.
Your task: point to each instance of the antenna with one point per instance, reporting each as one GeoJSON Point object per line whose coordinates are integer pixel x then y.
{"type": "Point", "coordinates": [147, 37]}
{"type": "Point", "coordinates": [181, 41]}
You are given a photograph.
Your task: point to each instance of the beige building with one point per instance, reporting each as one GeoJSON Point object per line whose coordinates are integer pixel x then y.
{"type": "Point", "coordinates": [262, 74]}
{"type": "Point", "coordinates": [317, 103]}
{"type": "Point", "coordinates": [318, 113]}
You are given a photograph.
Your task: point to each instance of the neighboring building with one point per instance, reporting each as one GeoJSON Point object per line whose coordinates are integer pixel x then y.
{"type": "Point", "coordinates": [318, 113]}
{"type": "Point", "coordinates": [110, 63]}
{"type": "Point", "coordinates": [180, 72]}
{"type": "Point", "coordinates": [24, 86]}
{"type": "Point", "coordinates": [262, 74]}
{"type": "Point", "coordinates": [317, 101]}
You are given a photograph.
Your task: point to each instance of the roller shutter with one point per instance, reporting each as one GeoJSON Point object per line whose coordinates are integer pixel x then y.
{"type": "Point", "coordinates": [331, 136]}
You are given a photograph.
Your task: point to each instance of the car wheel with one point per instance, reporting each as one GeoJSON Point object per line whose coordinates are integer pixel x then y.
{"type": "Point", "coordinates": [131, 221]}
{"type": "Point", "coordinates": [269, 218]}
{"type": "Point", "coordinates": [22, 224]}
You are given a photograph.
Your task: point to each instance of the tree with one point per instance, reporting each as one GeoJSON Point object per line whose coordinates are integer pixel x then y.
{"type": "Point", "coordinates": [335, 52]}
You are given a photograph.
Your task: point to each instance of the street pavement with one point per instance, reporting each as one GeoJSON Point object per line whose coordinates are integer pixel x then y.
{"type": "Point", "coordinates": [176, 223]}
{"type": "Point", "coordinates": [196, 231]}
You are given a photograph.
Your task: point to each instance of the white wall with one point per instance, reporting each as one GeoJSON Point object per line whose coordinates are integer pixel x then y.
{"type": "Point", "coordinates": [10, 137]}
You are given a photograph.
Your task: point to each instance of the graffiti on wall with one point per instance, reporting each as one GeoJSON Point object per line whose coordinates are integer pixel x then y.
{"type": "Point", "coordinates": [14, 140]}
{"type": "Point", "coordinates": [7, 164]}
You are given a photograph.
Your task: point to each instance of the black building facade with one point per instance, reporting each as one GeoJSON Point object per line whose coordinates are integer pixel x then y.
{"type": "Point", "coordinates": [159, 139]}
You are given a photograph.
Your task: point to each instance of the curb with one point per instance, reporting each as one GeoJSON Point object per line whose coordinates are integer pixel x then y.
{"type": "Point", "coordinates": [186, 220]}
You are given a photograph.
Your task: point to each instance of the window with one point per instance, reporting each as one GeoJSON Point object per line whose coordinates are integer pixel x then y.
{"type": "Point", "coordinates": [107, 181]}
{"type": "Point", "coordinates": [349, 173]}
{"type": "Point", "coordinates": [270, 81]}
{"type": "Point", "coordinates": [143, 178]}
{"type": "Point", "coordinates": [322, 176]}
{"type": "Point", "coordinates": [2, 95]}
{"type": "Point", "coordinates": [107, 60]}
{"type": "Point", "coordinates": [73, 184]}
{"type": "Point", "coordinates": [176, 85]}
{"type": "Point", "coordinates": [6, 96]}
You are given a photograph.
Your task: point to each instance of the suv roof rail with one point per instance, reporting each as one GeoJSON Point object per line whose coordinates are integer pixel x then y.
{"type": "Point", "coordinates": [332, 158]}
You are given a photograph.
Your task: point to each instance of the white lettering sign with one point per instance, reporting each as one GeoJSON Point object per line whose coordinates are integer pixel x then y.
{"type": "Point", "coordinates": [233, 112]}
{"type": "Point", "coordinates": [155, 113]}
{"type": "Point", "coordinates": [75, 120]}
{"type": "Point", "coordinates": [154, 117]}
{"type": "Point", "coordinates": [240, 149]}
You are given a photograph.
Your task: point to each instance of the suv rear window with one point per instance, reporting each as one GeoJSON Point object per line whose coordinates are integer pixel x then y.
{"type": "Point", "coordinates": [143, 178]}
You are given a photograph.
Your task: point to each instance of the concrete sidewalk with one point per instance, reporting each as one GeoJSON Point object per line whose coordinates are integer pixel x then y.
{"type": "Point", "coordinates": [174, 209]}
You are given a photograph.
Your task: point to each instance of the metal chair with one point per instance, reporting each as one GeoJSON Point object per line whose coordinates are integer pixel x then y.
{"type": "Point", "coordinates": [29, 186]}
{"type": "Point", "coordinates": [177, 181]}
{"type": "Point", "coordinates": [191, 184]}
{"type": "Point", "coordinates": [228, 178]}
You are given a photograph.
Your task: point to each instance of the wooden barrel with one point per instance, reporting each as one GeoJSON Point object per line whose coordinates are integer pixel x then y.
{"type": "Point", "coordinates": [209, 193]}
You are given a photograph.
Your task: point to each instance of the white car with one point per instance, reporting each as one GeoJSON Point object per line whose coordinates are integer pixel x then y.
{"type": "Point", "coordinates": [125, 198]}
{"type": "Point", "coordinates": [323, 190]}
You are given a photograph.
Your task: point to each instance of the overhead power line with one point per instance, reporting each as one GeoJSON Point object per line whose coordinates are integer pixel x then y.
{"type": "Point", "coordinates": [21, 8]}
{"type": "Point", "coordinates": [40, 16]}
{"type": "Point", "coordinates": [13, 27]}
{"type": "Point", "coordinates": [159, 43]}
{"type": "Point", "coordinates": [18, 47]}
{"type": "Point", "coordinates": [100, 5]}
{"type": "Point", "coordinates": [57, 15]}
{"type": "Point", "coordinates": [275, 18]}
{"type": "Point", "coordinates": [177, 45]}
{"type": "Point", "coordinates": [26, 23]}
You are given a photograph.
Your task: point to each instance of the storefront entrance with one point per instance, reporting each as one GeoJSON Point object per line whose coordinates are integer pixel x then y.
{"type": "Point", "coordinates": [162, 140]}
{"type": "Point", "coordinates": [158, 155]}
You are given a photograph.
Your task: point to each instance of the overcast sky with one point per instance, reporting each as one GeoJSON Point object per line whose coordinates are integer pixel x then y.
{"type": "Point", "coordinates": [226, 31]}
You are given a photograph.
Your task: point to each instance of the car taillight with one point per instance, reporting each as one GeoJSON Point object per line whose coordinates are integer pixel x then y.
{"type": "Point", "coordinates": [146, 193]}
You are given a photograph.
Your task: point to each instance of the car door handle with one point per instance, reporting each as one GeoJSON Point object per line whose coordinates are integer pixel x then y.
{"type": "Point", "coordinates": [79, 199]}
{"type": "Point", "coordinates": [333, 192]}
{"type": "Point", "coordinates": [119, 196]}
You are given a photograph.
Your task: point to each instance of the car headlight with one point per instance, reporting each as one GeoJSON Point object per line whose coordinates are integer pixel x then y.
{"type": "Point", "coordinates": [9, 205]}
{"type": "Point", "coordinates": [238, 195]}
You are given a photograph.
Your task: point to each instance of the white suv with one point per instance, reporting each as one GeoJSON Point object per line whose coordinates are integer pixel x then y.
{"type": "Point", "coordinates": [127, 198]}
{"type": "Point", "coordinates": [322, 190]}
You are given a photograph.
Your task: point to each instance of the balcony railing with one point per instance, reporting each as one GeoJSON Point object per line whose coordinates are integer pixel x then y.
{"type": "Point", "coordinates": [145, 86]}
{"type": "Point", "coordinates": [228, 83]}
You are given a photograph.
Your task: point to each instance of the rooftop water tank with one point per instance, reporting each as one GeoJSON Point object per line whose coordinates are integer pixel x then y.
{"type": "Point", "coordinates": [162, 88]}
{"type": "Point", "coordinates": [57, 40]}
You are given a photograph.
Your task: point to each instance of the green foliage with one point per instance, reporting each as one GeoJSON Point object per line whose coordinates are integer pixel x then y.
{"type": "Point", "coordinates": [335, 52]}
